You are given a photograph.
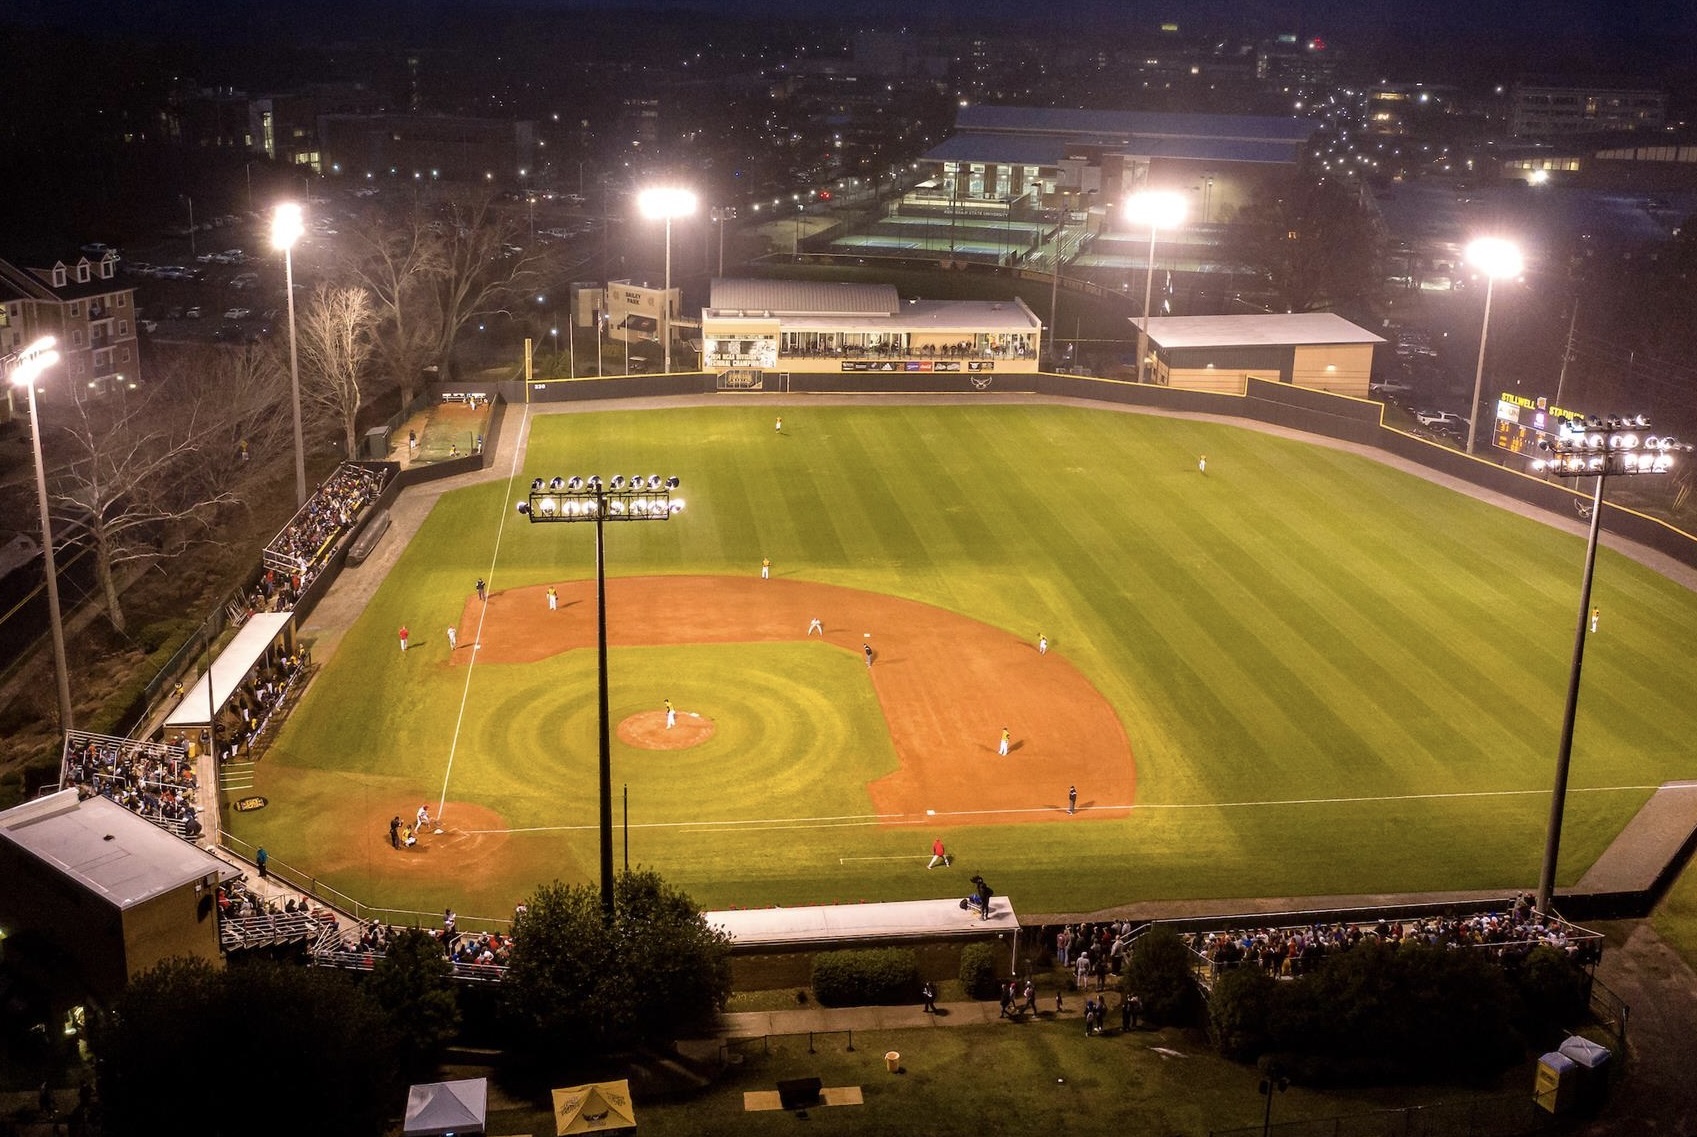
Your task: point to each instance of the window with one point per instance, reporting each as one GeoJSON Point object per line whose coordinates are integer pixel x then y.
{"type": "Point", "coordinates": [82, 272]}
{"type": "Point", "coordinates": [123, 299]}
{"type": "Point", "coordinates": [124, 355]}
{"type": "Point", "coordinates": [123, 327]}
{"type": "Point", "coordinates": [76, 309]}
{"type": "Point", "coordinates": [58, 276]}
{"type": "Point", "coordinates": [76, 337]}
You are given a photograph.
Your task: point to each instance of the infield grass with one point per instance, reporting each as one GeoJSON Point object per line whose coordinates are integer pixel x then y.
{"type": "Point", "coordinates": [1335, 677]}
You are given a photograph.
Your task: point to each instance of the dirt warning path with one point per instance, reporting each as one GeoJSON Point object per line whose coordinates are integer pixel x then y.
{"type": "Point", "coordinates": [947, 685]}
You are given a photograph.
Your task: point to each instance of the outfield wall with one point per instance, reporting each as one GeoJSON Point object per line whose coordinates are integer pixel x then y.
{"type": "Point", "coordinates": [1308, 411]}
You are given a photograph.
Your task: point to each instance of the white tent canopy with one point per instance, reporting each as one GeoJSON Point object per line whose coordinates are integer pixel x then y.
{"type": "Point", "coordinates": [435, 1109]}
{"type": "Point", "coordinates": [229, 669]}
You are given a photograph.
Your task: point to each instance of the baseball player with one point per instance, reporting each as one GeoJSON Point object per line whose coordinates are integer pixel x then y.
{"type": "Point", "coordinates": [866, 650]}
{"type": "Point", "coordinates": [1042, 645]}
{"type": "Point", "coordinates": [1003, 748]}
{"type": "Point", "coordinates": [814, 625]}
{"type": "Point", "coordinates": [453, 637]}
{"type": "Point", "coordinates": [765, 568]}
{"type": "Point", "coordinates": [553, 599]}
{"type": "Point", "coordinates": [403, 634]}
{"type": "Point", "coordinates": [671, 715]}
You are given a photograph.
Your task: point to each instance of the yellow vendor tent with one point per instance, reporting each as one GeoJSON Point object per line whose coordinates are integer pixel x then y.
{"type": "Point", "coordinates": [599, 1107]}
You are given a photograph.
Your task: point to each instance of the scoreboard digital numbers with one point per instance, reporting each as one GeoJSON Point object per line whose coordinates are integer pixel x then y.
{"type": "Point", "coordinates": [1522, 423]}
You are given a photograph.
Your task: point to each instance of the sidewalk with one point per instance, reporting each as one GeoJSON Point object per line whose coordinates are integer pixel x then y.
{"type": "Point", "coordinates": [820, 1020]}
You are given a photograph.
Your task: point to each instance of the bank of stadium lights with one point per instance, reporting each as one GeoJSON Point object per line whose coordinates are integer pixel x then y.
{"type": "Point", "coordinates": [1583, 448]}
{"type": "Point", "coordinates": [636, 498]}
{"type": "Point", "coordinates": [577, 499]}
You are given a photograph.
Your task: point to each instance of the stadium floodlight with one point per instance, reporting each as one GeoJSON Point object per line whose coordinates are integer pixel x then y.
{"type": "Point", "coordinates": [23, 368]}
{"type": "Point", "coordinates": [1156, 209]}
{"type": "Point", "coordinates": [287, 226]}
{"type": "Point", "coordinates": [1599, 450]}
{"type": "Point", "coordinates": [589, 499]}
{"type": "Point", "coordinates": [1496, 258]}
{"type": "Point", "coordinates": [657, 204]}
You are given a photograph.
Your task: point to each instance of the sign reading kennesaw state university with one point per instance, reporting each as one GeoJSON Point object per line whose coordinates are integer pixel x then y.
{"type": "Point", "coordinates": [249, 804]}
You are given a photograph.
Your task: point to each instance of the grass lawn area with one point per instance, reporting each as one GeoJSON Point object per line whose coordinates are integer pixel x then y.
{"type": "Point", "coordinates": [1038, 1077]}
{"type": "Point", "coordinates": [1334, 677]}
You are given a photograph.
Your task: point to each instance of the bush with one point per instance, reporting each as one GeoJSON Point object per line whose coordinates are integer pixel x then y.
{"type": "Point", "coordinates": [1550, 991]}
{"type": "Point", "coordinates": [859, 978]}
{"type": "Point", "coordinates": [1239, 1011]}
{"type": "Point", "coordinates": [1158, 973]}
{"type": "Point", "coordinates": [978, 971]}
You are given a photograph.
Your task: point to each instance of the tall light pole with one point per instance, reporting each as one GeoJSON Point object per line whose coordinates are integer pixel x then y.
{"type": "Point", "coordinates": [664, 204]}
{"type": "Point", "coordinates": [1158, 209]}
{"type": "Point", "coordinates": [589, 499]}
{"type": "Point", "coordinates": [190, 202]}
{"type": "Point", "coordinates": [1494, 257]}
{"type": "Point", "coordinates": [286, 228]}
{"type": "Point", "coordinates": [25, 367]}
{"type": "Point", "coordinates": [1579, 450]}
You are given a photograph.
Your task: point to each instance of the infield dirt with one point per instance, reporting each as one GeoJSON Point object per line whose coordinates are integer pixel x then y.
{"type": "Point", "coordinates": [947, 684]}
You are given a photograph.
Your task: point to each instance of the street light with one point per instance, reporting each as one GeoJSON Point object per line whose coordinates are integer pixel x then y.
{"type": "Point", "coordinates": [664, 204]}
{"type": "Point", "coordinates": [1158, 209]}
{"type": "Point", "coordinates": [590, 499]}
{"type": "Point", "coordinates": [1597, 449]}
{"type": "Point", "coordinates": [25, 367]}
{"type": "Point", "coordinates": [1494, 257]}
{"type": "Point", "coordinates": [286, 228]}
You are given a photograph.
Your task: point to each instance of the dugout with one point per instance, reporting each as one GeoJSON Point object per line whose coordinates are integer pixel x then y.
{"type": "Point", "coordinates": [266, 638]}
{"type": "Point", "coordinates": [1319, 351]}
{"type": "Point", "coordinates": [777, 945]}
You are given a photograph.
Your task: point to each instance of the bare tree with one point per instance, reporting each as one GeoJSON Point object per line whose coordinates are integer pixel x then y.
{"type": "Point", "coordinates": [1310, 240]}
{"type": "Point", "coordinates": [150, 470]}
{"type": "Point", "coordinates": [335, 344]}
{"type": "Point", "coordinates": [398, 264]}
{"type": "Point", "coordinates": [482, 270]}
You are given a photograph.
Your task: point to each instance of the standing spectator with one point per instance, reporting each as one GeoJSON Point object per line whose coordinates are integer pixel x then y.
{"type": "Point", "coordinates": [1030, 996]}
{"type": "Point", "coordinates": [928, 992]}
{"type": "Point", "coordinates": [403, 634]}
{"type": "Point", "coordinates": [1089, 1015]}
{"type": "Point", "coordinates": [1007, 1000]}
{"type": "Point", "coordinates": [1081, 970]}
{"type": "Point", "coordinates": [449, 924]}
{"type": "Point", "coordinates": [1130, 1007]}
{"type": "Point", "coordinates": [412, 441]}
{"type": "Point", "coordinates": [262, 859]}
{"type": "Point", "coordinates": [1063, 945]}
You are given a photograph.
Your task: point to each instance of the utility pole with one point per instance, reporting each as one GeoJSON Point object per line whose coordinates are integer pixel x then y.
{"type": "Point", "coordinates": [1567, 352]}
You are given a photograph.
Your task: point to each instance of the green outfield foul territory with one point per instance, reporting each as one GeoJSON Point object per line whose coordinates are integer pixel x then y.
{"type": "Point", "coordinates": [1335, 677]}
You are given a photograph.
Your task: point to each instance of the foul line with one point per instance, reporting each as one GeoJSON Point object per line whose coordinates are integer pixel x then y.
{"type": "Point", "coordinates": [483, 611]}
{"type": "Point", "coordinates": [863, 820]}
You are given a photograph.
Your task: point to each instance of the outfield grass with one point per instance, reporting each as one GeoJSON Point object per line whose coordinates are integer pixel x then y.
{"type": "Point", "coordinates": [1335, 677]}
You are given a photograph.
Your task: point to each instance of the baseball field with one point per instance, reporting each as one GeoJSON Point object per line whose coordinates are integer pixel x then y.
{"type": "Point", "coordinates": [1298, 673]}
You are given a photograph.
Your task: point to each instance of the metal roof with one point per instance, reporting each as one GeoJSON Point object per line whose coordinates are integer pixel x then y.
{"type": "Point", "coordinates": [229, 669]}
{"type": "Point", "coordinates": [801, 298]}
{"type": "Point", "coordinates": [975, 146]}
{"type": "Point", "coordinates": [106, 849]}
{"type": "Point", "coordinates": [1260, 330]}
{"type": "Point", "coordinates": [1066, 120]}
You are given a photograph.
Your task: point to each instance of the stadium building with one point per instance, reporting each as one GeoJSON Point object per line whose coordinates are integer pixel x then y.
{"type": "Point", "coordinates": [755, 328]}
{"type": "Point", "coordinates": [1321, 351]}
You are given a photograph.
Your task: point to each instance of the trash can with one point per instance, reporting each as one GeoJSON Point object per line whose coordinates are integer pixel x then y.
{"type": "Point", "coordinates": [1556, 1082]}
{"type": "Point", "coordinates": [1591, 1071]}
{"type": "Point", "coordinates": [893, 1061]}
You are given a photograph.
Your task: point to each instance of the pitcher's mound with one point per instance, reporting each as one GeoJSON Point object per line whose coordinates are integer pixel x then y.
{"type": "Point", "coordinates": [648, 730]}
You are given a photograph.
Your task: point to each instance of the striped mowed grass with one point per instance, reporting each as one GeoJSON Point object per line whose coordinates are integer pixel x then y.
{"type": "Point", "coordinates": [1335, 677]}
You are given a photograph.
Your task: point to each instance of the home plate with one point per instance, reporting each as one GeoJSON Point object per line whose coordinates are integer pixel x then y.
{"type": "Point", "coordinates": [439, 832]}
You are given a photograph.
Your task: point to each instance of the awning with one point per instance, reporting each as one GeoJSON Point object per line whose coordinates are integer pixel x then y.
{"type": "Point", "coordinates": [229, 669]}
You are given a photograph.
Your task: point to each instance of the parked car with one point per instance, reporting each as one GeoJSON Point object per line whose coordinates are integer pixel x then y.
{"type": "Point", "coordinates": [1439, 419]}
{"type": "Point", "coordinates": [238, 313]}
{"type": "Point", "coordinates": [148, 325]}
{"type": "Point", "coordinates": [192, 313]}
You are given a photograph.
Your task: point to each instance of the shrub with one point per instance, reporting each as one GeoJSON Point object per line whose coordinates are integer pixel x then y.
{"type": "Point", "coordinates": [1158, 973]}
{"type": "Point", "coordinates": [1550, 991]}
{"type": "Point", "coordinates": [1239, 1010]}
{"type": "Point", "coordinates": [978, 971]}
{"type": "Point", "coordinates": [858, 978]}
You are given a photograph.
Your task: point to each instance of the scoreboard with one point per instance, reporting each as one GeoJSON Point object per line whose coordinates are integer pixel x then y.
{"type": "Point", "coordinates": [1522, 423]}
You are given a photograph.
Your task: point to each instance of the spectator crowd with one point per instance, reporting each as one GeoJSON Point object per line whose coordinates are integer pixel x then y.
{"type": "Point", "coordinates": [150, 779]}
{"type": "Point", "coordinates": [296, 556]}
